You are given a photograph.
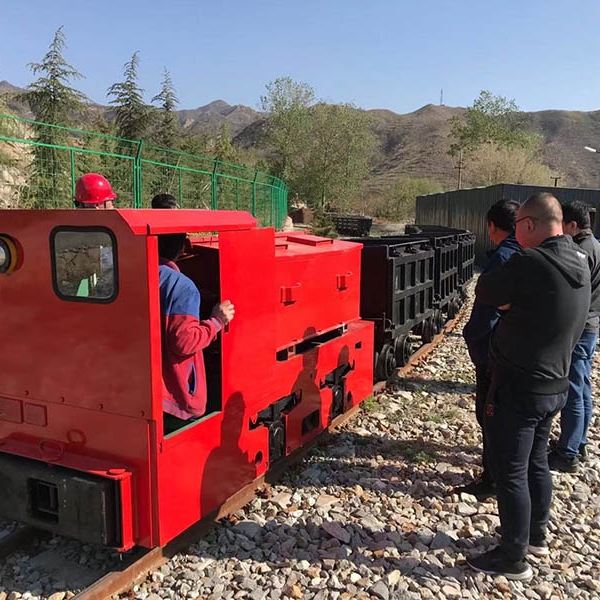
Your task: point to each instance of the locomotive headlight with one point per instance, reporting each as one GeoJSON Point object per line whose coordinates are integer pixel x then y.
{"type": "Point", "coordinates": [9, 256]}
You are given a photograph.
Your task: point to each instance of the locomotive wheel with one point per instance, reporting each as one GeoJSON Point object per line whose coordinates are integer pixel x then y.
{"type": "Point", "coordinates": [428, 330]}
{"type": "Point", "coordinates": [386, 363]}
{"type": "Point", "coordinates": [402, 350]}
{"type": "Point", "coordinates": [337, 404]}
{"type": "Point", "coordinates": [276, 441]}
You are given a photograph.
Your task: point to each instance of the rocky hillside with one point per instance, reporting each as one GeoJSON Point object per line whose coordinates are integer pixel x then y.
{"type": "Point", "coordinates": [413, 144]}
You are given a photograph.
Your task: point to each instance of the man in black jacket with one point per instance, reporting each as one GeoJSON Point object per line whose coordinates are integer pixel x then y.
{"type": "Point", "coordinates": [478, 331]}
{"type": "Point", "coordinates": [545, 290]}
{"type": "Point", "coordinates": [576, 415]}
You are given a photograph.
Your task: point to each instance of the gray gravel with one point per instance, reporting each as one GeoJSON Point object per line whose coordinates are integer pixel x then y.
{"type": "Point", "coordinates": [368, 515]}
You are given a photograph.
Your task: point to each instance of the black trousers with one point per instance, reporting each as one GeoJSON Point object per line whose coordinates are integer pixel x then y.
{"type": "Point", "coordinates": [482, 388]}
{"type": "Point", "coordinates": [517, 426]}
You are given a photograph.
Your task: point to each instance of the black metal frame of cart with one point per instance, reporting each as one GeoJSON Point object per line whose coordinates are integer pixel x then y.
{"type": "Point", "coordinates": [466, 251]}
{"type": "Point", "coordinates": [397, 294]}
{"type": "Point", "coordinates": [447, 292]}
{"type": "Point", "coordinates": [352, 224]}
{"type": "Point", "coordinates": [466, 259]}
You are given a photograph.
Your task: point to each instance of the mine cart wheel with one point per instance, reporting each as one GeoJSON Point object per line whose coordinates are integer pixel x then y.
{"type": "Point", "coordinates": [428, 330]}
{"type": "Point", "coordinates": [451, 313]}
{"type": "Point", "coordinates": [386, 363]}
{"type": "Point", "coordinates": [457, 305]}
{"type": "Point", "coordinates": [453, 309]}
{"type": "Point", "coordinates": [402, 350]}
{"type": "Point", "coordinates": [439, 320]}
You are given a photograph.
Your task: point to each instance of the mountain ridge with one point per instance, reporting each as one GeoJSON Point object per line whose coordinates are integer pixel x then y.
{"type": "Point", "coordinates": [413, 144]}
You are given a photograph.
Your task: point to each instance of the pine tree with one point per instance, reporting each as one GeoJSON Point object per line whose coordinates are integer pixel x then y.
{"type": "Point", "coordinates": [226, 154]}
{"type": "Point", "coordinates": [168, 132]}
{"type": "Point", "coordinates": [224, 148]}
{"type": "Point", "coordinates": [133, 121]}
{"type": "Point", "coordinates": [167, 136]}
{"type": "Point", "coordinates": [52, 100]}
{"type": "Point", "coordinates": [133, 116]}
{"type": "Point", "coordinates": [50, 97]}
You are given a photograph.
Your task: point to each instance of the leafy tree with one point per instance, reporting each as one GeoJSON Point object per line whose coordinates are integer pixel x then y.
{"type": "Point", "coordinates": [491, 119]}
{"type": "Point", "coordinates": [288, 124]}
{"type": "Point", "coordinates": [133, 116]}
{"type": "Point", "coordinates": [492, 164]}
{"type": "Point", "coordinates": [398, 202]}
{"type": "Point", "coordinates": [168, 132]}
{"type": "Point", "coordinates": [52, 100]}
{"type": "Point", "coordinates": [339, 156]}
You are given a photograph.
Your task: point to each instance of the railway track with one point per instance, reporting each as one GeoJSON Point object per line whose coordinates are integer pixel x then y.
{"type": "Point", "coordinates": [135, 565]}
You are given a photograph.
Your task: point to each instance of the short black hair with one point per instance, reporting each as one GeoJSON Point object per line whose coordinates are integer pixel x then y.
{"type": "Point", "coordinates": [577, 211]}
{"type": "Point", "coordinates": [170, 245]}
{"type": "Point", "coordinates": [164, 201]}
{"type": "Point", "coordinates": [503, 215]}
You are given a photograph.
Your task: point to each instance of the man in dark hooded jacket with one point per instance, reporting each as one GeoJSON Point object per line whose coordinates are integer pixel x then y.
{"type": "Point", "coordinates": [478, 331]}
{"type": "Point", "coordinates": [545, 290]}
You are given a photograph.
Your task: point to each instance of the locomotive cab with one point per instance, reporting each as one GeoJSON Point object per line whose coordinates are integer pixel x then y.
{"type": "Point", "coordinates": [83, 452]}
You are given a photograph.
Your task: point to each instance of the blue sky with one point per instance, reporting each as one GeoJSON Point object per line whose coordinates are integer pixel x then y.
{"type": "Point", "coordinates": [376, 54]}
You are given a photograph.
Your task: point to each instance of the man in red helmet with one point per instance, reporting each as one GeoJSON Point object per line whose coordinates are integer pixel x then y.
{"type": "Point", "coordinates": [93, 191]}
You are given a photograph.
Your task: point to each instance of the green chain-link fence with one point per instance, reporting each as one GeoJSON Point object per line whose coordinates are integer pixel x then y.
{"type": "Point", "coordinates": [39, 164]}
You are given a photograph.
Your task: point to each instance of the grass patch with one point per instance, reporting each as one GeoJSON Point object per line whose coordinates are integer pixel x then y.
{"type": "Point", "coordinates": [444, 416]}
{"type": "Point", "coordinates": [369, 404]}
{"type": "Point", "coordinates": [415, 451]}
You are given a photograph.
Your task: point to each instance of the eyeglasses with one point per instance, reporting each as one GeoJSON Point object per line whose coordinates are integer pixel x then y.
{"type": "Point", "coordinates": [527, 217]}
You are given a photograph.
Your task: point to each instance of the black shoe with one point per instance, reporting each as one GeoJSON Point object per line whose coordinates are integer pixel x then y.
{"type": "Point", "coordinates": [481, 488]}
{"type": "Point", "coordinates": [558, 462]}
{"type": "Point", "coordinates": [538, 549]}
{"type": "Point", "coordinates": [583, 453]}
{"type": "Point", "coordinates": [495, 563]}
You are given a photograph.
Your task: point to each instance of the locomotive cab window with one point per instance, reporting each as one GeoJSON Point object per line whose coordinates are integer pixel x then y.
{"type": "Point", "coordinates": [84, 264]}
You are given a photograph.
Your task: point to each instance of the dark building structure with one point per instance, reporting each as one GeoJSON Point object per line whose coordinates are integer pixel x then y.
{"type": "Point", "coordinates": [466, 209]}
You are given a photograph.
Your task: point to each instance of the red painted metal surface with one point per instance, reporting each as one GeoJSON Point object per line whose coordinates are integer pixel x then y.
{"type": "Point", "coordinates": [157, 221]}
{"type": "Point", "coordinates": [319, 285]}
{"type": "Point", "coordinates": [81, 382]}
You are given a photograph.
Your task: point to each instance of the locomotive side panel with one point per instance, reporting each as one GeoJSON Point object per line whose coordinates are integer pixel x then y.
{"type": "Point", "coordinates": [78, 312]}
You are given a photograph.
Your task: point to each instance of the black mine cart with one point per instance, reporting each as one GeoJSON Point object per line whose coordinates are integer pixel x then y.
{"type": "Point", "coordinates": [397, 294]}
{"type": "Point", "coordinates": [410, 285]}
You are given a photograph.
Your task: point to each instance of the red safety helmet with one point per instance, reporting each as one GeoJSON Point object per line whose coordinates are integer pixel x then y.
{"type": "Point", "coordinates": [93, 188]}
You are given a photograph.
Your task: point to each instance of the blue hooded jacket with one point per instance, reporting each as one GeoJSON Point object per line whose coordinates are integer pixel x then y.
{"type": "Point", "coordinates": [477, 332]}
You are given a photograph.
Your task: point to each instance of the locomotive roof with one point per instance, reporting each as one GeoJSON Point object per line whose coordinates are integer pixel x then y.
{"type": "Point", "coordinates": [158, 221]}
{"type": "Point", "coordinates": [143, 221]}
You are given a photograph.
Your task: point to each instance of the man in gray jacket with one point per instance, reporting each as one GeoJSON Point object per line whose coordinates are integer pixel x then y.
{"type": "Point", "coordinates": [576, 415]}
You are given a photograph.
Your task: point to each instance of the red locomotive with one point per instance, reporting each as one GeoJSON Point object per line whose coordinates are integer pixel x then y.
{"type": "Point", "coordinates": [82, 447]}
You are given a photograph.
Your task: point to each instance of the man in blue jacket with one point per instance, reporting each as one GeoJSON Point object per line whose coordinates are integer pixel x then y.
{"type": "Point", "coordinates": [477, 332]}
